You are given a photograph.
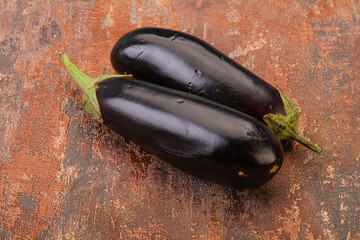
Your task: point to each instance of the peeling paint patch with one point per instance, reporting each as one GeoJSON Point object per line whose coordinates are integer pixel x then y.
{"type": "Point", "coordinates": [233, 16]}
{"type": "Point", "coordinates": [8, 54]}
{"type": "Point", "coordinates": [250, 46]}
{"type": "Point", "coordinates": [49, 32]}
{"type": "Point", "coordinates": [140, 10]}
{"type": "Point", "coordinates": [29, 203]}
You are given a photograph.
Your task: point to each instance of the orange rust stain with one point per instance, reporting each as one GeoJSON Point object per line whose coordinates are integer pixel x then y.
{"type": "Point", "coordinates": [36, 146]}
{"type": "Point", "coordinates": [140, 164]}
{"type": "Point", "coordinates": [216, 227]}
{"type": "Point", "coordinates": [298, 213]}
{"type": "Point", "coordinates": [38, 140]}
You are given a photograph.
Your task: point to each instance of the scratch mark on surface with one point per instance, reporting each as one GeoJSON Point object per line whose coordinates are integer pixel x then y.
{"type": "Point", "coordinates": [205, 31]}
{"type": "Point", "coordinates": [109, 19]}
{"type": "Point", "coordinates": [138, 56]}
{"type": "Point", "coordinates": [240, 51]}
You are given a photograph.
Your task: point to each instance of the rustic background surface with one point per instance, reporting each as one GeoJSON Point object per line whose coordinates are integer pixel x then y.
{"type": "Point", "coordinates": [63, 176]}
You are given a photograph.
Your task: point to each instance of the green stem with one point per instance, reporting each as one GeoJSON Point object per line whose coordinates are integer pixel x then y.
{"type": "Point", "coordinates": [87, 85]}
{"type": "Point", "coordinates": [287, 126]}
{"type": "Point", "coordinates": [299, 138]}
{"type": "Point", "coordinates": [82, 80]}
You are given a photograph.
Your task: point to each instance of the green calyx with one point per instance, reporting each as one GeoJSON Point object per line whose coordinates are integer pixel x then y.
{"type": "Point", "coordinates": [287, 127]}
{"type": "Point", "coordinates": [87, 85]}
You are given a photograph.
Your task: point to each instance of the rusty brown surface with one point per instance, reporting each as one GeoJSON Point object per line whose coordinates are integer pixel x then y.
{"type": "Point", "coordinates": [63, 176]}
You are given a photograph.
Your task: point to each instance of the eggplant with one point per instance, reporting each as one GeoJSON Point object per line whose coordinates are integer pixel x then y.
{"type": "Point", "coordinates": [180, 61]}
{"type": "Point", "coordinates": [192, 133]}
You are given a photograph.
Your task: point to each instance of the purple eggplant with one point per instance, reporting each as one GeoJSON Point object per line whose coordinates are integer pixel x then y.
{"type": "Point", "coordinates": [192, 133]}
{"type": "Point", "coordinates": [180, 61]}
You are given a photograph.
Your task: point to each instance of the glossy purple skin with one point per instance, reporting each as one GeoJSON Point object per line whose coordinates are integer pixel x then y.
{"type": "Point", "coordinates": [192, 133]}
{"type": "Point", "coordinates": [180, 61]}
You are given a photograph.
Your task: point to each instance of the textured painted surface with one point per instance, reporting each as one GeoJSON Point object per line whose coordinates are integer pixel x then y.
{"type": "Point", "coordinates": [63, 176]}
